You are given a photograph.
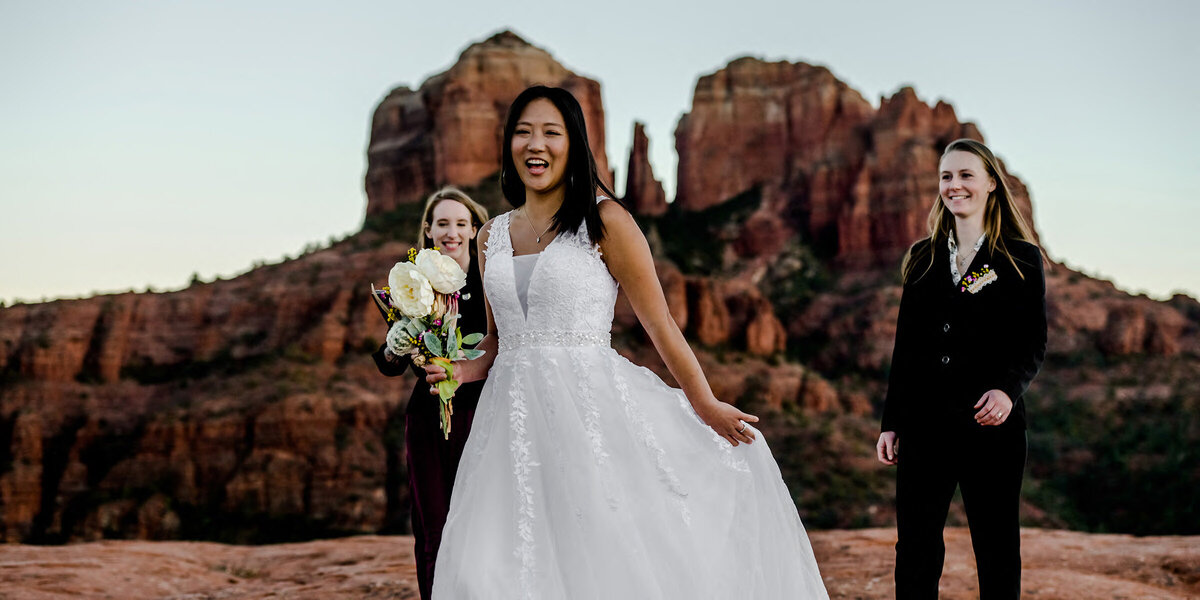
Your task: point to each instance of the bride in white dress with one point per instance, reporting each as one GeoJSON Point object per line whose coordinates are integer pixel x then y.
{"type": "Point", "coordinates": [585, 476]}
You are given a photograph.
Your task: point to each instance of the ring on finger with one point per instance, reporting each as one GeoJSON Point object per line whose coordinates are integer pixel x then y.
{"type": "Point", "coordinates": [743, 428]}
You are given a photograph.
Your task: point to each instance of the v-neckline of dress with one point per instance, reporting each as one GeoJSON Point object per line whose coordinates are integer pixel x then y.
{"type": "Point", "coordinates": [512, 253]}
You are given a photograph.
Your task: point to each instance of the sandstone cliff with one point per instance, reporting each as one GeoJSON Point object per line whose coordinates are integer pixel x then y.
{"type": "Point", "coordinates": [226, 400]}
{"type": "Point", "coordinates": [644, 194]}
{"type": "Point", "coordinates": [851, 180]}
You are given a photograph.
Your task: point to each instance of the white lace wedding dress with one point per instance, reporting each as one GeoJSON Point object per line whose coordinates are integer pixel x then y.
{"type": "Point", "coordinates": [587, 477]}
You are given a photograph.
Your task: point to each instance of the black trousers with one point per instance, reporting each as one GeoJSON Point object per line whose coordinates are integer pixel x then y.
{"type": "Point", "coordinates": [988, 464]}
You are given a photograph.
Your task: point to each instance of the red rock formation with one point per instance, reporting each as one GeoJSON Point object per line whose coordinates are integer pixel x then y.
{"type": "Point", "coordinates": [643, 193]}
{"type": "Point", "coordinates": [714, 312]}
{"type": "Point", "coordinates": [764, 333]}
{"type": "Point", "coordinates": [449, 130]}
{"type": "Point", "coordinates": [898, 181]}
{"type": "Point", "coordinates": [752, 319]}
{"type": "Point", "coordinates": [1141, 328]}
{"type": "Point", "coordinates": [20, 487]}
{"type": "Point", "coordinates": [855, 182]}
{"type": "Point", "coordinates": [266, 310]}
{"type": "Point", "coordinates": [674, 289]}
{"type": "Point", "coordinates": [708, 317]}
{"type": "Point", "coordinates": [1124, 331]}
{"type": "Point", "coordinates": [816, 394]}
{"type": "Point", "coordinates": [105, 385]}
{"type": "Point", "coordinates": [860, 324]}
{"type": "Point", "coordinates": [751, 121]}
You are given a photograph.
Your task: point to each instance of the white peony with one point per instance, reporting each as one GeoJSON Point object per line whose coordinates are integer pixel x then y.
{"type": "Point", "coordinates": [410, 290]}
{"type": "Point", "coordinates": [443, 272]}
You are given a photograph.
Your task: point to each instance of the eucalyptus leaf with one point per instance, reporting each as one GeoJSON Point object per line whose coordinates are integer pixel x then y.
{"type": "Point", "coordinates": [432, 343]}
{"type": "Point", "coordinates": [473, 354]}
{"type": "Point", "coordinates": [473, 339]}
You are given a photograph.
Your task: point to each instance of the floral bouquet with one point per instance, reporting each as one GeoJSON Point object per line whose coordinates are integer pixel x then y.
{"type": "Point", "coordinates": [421, 305]}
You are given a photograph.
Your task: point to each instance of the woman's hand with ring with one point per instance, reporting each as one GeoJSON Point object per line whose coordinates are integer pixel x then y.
{"type": "Point", "coordinates": [994, 408]}
{"type": "Point", "coordinates": [729, 422]}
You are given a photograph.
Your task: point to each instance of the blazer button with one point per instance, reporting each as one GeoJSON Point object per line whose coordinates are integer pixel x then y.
{"type": "Point", "coordinates": [946, 328]}
{"type": "Point", "coordinates": [945, 360]}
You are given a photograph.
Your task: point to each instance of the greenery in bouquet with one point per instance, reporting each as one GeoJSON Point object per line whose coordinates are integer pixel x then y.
{"type": "Point", "coordinates": [421, 305]}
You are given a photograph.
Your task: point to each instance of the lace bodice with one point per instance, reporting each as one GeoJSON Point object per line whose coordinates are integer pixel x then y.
{"type": "Point", "coordinates": [571, 293]}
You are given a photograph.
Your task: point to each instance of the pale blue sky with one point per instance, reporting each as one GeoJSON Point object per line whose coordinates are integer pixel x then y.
{"type": "Point", "coordinates": [143, 141]}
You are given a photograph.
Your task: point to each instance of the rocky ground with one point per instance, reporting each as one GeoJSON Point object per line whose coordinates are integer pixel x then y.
{"type": "Point", "coordinates": [856, 565]}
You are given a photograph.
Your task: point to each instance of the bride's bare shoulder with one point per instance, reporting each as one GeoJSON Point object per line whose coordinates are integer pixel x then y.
{"type": "Point", "coordinates": [614, 214]}
{"type": "Point", "coordinates": [622, 235]}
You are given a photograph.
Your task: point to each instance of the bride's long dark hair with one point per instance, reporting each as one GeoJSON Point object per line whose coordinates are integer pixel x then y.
{"type": "Point", "coordinates": [581, 180]}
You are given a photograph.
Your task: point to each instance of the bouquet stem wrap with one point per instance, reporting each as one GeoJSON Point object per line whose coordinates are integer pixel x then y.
{"type": "Point", "coordinates": [446, 389]}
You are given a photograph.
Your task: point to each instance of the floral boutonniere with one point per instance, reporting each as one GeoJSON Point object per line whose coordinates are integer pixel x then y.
{"type": "Point", "coordinates": [977, 280]}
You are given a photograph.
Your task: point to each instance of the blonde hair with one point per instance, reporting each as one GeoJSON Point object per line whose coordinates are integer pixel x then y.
{"type": "Point", "coordinates": [1001, 218]}
{"type": "Point", "coordinates": [479, 214]}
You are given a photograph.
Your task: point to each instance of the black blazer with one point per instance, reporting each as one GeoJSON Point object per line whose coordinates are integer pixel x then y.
{"type": "Point", "coordinates": [474, 320]}
{"type": "Point", "coordinates": [953, 345]}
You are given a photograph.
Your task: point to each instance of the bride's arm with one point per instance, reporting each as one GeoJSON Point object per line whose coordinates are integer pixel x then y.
{"type": "Point", "coordinates": [629, 260]}
{"type": "Point", "coordinates": [473, 370]}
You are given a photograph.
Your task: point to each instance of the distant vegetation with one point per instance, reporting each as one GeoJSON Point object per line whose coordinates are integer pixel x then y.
{"type": "Point", "coordinates": [1128, 462]}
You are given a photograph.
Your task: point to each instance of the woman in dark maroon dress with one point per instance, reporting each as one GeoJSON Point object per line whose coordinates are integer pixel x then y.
{"type": "Point", "coordinates": [450, 222]}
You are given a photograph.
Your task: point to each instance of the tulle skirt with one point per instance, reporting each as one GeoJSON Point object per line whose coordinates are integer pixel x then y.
{"type": "Point", "coordinates": [587, 477]}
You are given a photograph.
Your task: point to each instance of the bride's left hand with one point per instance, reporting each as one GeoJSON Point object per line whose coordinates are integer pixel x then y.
{"type": "Point", "coordinates": [729, 422]}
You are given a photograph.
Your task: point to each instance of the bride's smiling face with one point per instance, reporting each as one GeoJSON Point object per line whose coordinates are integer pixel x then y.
{"type": "Point", "coordinates": [540, 147]}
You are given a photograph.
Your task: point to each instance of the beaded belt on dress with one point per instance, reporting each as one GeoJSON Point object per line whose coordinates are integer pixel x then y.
{"type": "Point", "coordinates": [526, 339]}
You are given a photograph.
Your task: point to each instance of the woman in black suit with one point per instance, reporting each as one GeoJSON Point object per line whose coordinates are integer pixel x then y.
{"type": "Point", "coordinates": [970, 337]}
{"type": "Point", "coordinates": [450, 222]}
